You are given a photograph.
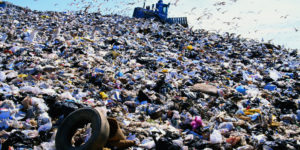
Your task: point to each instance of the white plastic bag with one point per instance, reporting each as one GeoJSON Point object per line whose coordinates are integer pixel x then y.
{"type": "Point", "coordinates": [275, 75]}
{"type": "Point", "coordinates": [2, 76]}
{"type": "Point", "coordinates": [216, 137]}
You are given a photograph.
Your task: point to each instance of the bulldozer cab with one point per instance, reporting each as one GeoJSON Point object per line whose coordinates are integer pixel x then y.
{"type": "Point", "coordinates": [165, 10]}
{"type": "Point", "coordinates": [162, 9]}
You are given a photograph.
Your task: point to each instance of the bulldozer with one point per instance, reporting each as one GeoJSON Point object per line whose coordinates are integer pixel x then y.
{"type": "Point", "coordinates": [2, 4]}
{"type": "Point", "coordinates": [158, 12]}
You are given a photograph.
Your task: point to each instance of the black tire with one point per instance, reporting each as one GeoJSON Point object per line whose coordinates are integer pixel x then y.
{"type": "Point", "coordinates": [77, 119]}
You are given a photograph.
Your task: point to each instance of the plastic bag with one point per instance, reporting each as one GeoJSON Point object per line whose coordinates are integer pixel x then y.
{"type": "Point", "coordinates": [216, 137]}
{"type": "Point", "coordinates": [2, 76]}
{"type": "Point", "coordinates": [34, 90]}
{"type": "Point", "coordinates": [226, 125]}
{"type": "Point", "coordinates": [270, 87]}
{"type": "Point", "coordinates": [66, 95]}
{"type": "Point", "coordinates": [147, 144]}
{"type": "Point", "coordinates": [275, 75]}
{"type": "Point", "coordinates": [4, 113]}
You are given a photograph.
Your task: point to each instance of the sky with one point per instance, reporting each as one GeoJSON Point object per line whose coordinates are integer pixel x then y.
{"type": "Point", "coordinates": [274, 21]}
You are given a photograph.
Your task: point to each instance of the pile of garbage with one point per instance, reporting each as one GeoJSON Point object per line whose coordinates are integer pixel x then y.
{"type": "Point", "coordinates": [168, 86]}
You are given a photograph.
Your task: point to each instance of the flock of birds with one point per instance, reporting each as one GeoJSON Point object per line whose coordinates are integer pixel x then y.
{"type": "Point", "coordinates": [122, 6]}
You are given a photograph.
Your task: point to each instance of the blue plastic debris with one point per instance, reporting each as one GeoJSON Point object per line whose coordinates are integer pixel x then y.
{"type": "Point", "coordinates": [119, 74]}
{"type": "Point", "coordinates": [254, 116]}
{"type": "Point", "coordinates": [298, 115]}
{"type": "Point", "coordinates": [144, 102]}
{"type": "Point", "coordinates": [270, 87]}
{"type": "Point", "coordinates": [241, 89]}
{"type": "Point", "coordinates": [4, 113]}
{"type": "Point", "coordinates": [99, 70]}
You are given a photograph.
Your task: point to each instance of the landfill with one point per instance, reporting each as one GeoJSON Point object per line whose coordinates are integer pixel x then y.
{"type": "Point", "coordinates": [168, 86]}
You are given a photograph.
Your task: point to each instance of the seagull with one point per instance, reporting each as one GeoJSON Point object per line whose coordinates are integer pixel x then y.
{"type": "Point", "coordinates": [220, 3]}
{"type": "Point", "coordinates": [86, 9]}
{"type": "Point", "coordinates": [269, 41]}
{"type": "Point", "coordinates": [296, 30]}
{"type": "Point", "coordinates": [284, 16]}
{"type": "Point", "coordinates": [176, 2]}
{"type": "Point", "coordinates": [228, 23]}
{"type": "Point", "coordinates": [259, 12]}
{"type": "Point", "coordinates": [224, 12]}
{"type": "Point", "coordinates": [238, 18]}
{"type": "Point", "coordinates": [193, 9]}
{"type": "Point", "coordinates": [199, 18]}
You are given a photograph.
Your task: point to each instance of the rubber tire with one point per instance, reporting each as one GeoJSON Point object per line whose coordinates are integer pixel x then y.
{"type": "Point", "coordinates": [77, 119]}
